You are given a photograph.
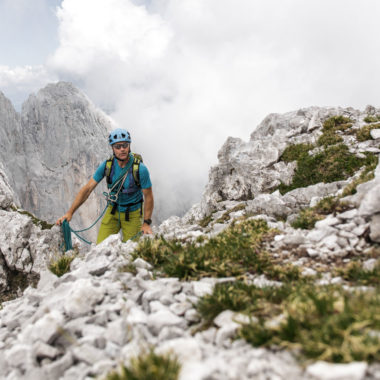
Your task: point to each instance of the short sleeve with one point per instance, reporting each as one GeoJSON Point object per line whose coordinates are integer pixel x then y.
{"type": "Point", "coordinates": [99, 173]}
{"type": "Point", "coordinates": [144, 177]}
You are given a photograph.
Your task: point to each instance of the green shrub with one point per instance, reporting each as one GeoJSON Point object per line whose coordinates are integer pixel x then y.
{"type": "Point", "coordinates": [149, 366]}
{"type": "Point", "coordinates": [61, 265]}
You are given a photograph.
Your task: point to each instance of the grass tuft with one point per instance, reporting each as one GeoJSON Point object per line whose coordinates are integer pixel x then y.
{"type": "Point", "coordinates": [310, 215]}
{"type": "Point", "coordinates": [61, 265]}
{"type": "Point", "coordinates": [149, 366]}
{"type": "Point", "coordinates": [234, 252]}
{"type": "Point", "coordinates": [226, 216]}
{"type": "Point", "coordinates": [205, 221]}
{"type": "Point", "coordinates": [355, 273]}
{"type": "Point", "coordinates": [372, 118]}
{"type": "Point", "coordinates": [364, 133]}
{"type": "Point", "coordinates": [322, 322]}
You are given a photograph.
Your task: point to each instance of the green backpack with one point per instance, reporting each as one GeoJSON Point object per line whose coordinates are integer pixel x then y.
{"type": "Point", "coordinates": [137, 158]}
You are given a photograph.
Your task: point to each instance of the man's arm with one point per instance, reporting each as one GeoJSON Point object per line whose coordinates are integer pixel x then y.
{"type": "Point", "coordinates": [81, 197]}
{"type": "Point", "coordinates": [148, 209]}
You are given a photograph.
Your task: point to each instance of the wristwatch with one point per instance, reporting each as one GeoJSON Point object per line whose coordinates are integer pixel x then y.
{"type": "Point", "coordinates": [148, 221]}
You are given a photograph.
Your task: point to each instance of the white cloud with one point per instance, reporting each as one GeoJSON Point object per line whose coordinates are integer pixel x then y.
{"type": "Point", "coordinates": [20, 81]}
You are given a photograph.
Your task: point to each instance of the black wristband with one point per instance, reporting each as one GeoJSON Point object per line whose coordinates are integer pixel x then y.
{"type": "Point", "coordinates": [148, 221]}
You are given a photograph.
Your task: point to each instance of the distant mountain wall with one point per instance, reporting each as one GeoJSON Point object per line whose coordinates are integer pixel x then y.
{"type": "Point", "coordinates": [51, 149]}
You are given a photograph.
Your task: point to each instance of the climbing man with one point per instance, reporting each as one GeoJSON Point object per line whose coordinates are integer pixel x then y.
{"type": "Point", "coordinates": [130, 191]}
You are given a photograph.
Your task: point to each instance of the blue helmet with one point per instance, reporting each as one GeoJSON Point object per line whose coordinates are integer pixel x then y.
{"type": "Point", "coordinates": [118, 135]}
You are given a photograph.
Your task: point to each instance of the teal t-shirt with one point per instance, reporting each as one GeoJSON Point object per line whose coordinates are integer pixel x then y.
{"type": "Point", "coordinates": [131, 197]}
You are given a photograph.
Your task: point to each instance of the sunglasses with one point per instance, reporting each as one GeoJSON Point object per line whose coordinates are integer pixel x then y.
{"type": "Point", "coordinates": [119, 146]}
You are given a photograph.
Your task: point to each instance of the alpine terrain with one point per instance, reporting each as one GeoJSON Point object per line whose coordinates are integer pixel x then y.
{"type": "Point", "coordinates": [274, 274]}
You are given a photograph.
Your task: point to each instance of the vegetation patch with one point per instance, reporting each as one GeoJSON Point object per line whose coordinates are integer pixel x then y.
{"type": "Point", "coordinates": [335, 163]}
{"type": "Point", "coordinates": [310, 215]}
{"type": "Point", "coordinates": [364, 133]}
{"type": "Point", "coordinates": [319, 322]}
{"type": "Point", "coordinates": [226, 216]}
{"type": "Point", "coordinates": [323, 323]}
{"type": "Point", "coordinates": [205, 221]}
{"type": "Point", "coordinates": [234, 252]}
{"type": "Point", "coordinates": [61, 265]}
{"type": "Point", "coordinates": [129, 268]}
{"type": "Point", "coordinates": [149, 366]}
{"type": "Point", "coordinates": [330, 128]}
{"type": "Point", "coordinates": [37, 222]}
{"type": "Point", "coordinates": [356, 274]}
{"type": "Point", "coordinates": [329, 138]}
{"type": "Point", "coordinates": [366, 175]}
{"type": "Point", "coordinates": [372, 118]}
{"type": "Point", "coordinates": [296, 152]}
{"type": "Point", "coordinates": [240, 297]}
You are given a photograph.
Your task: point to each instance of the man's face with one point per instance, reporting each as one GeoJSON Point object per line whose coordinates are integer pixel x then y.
{"type": "Point", "coordinates": [121, 150]}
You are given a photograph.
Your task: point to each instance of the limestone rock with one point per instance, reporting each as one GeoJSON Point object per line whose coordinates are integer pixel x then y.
{"type": "Point", "coordinates": [327, 371]}
{"type": "Point", "coordinates": [375, 228]}
{"type": "Point", "coordinates": [7, 196]}
{"type": "Point", "coordinates": [52, 149]}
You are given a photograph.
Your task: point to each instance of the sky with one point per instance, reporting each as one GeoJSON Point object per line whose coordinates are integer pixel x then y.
{"type": "Point", "coordinates": [184, 75]}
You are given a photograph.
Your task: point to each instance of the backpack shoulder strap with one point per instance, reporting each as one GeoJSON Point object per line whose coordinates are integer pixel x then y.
{"type": "Point", "coordinates": [108, 170]}
{"type": "Point", "coordinates": [137, 158]}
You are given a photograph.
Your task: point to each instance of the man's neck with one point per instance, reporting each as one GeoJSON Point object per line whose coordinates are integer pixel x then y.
{"type": "Point", "coordinates": [122, 164]}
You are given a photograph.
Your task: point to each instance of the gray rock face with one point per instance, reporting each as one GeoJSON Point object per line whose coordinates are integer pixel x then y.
{"type": "Point", "coordinates": [248, 169]}
{"type": "Point", "coordinates": [24, 246]}
{"type": "Point", "coordinates": [52, 149]}
{"type": "Point", "coordinates": [7, 196]}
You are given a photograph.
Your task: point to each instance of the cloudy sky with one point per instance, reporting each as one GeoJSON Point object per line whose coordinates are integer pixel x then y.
{"type": "Point", "coordinates": [183, 75]}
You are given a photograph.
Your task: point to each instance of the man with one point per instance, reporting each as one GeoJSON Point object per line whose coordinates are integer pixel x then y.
{"type": "Point", "coordinates": [130, 191]}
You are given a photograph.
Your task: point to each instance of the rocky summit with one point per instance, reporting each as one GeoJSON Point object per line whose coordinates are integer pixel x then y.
{"type": "Point", "coordinates": [52, 148]}
{"type": "Point", "coordinates": [273, 275]}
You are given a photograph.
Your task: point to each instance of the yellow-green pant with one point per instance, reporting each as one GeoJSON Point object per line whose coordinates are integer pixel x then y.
{"type": "Point", "coordinates": [111, 225]}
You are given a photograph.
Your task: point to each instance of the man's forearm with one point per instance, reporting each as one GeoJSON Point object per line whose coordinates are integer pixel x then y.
{"type": "Point", "coordinates": [79, 200]}
{"type": "Point", "coordinates": [148, 207]}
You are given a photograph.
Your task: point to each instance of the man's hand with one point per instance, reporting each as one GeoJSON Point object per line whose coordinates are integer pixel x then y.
{"type": "Point", "coordinates": [67, 216]}
{"type": "Point", "coordinates": [146, 229]}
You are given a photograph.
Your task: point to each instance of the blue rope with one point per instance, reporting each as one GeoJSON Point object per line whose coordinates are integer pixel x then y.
{"type": "Point", "coordinates": [67, 230]}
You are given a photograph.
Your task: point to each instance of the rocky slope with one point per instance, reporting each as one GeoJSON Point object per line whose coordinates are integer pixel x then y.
{"type": "Point", "coordinates": [52, 148]}
{"type": "Point", "coordinates": [111, 305]}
